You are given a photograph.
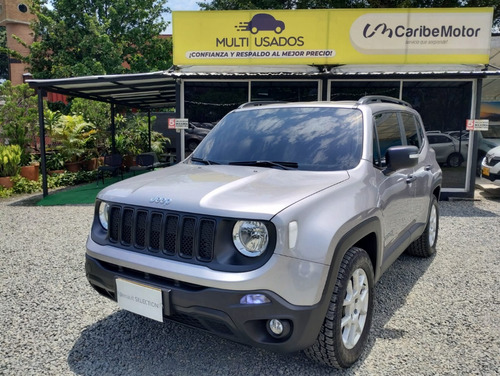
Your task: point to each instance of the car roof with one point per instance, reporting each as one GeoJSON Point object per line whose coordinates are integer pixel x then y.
{"type": "Point", "coordinates": [372, 102]}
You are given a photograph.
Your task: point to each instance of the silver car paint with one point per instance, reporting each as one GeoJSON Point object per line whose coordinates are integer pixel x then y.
{"type": "Point", "coordinates": [326, 206]}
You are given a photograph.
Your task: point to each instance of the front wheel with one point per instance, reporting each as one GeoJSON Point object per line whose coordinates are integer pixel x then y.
{"type": "Point", "coordinates": [345, 330]}
{"type": "Point", "coordinates": [425, 245]}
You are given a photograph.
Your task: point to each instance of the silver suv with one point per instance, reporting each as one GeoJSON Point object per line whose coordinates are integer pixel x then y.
{"type": "Point", "coordinates": [274, 231]}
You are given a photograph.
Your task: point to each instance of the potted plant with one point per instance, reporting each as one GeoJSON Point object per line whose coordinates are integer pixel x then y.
{"type": "Point", "coordinates": [10, 157]}
{"type": "Point", "coordinates": [73, 133]}
{"type": "Point", "coordinates": [54, 163]}
{"type": "Point", "coordinates": [31, 172]}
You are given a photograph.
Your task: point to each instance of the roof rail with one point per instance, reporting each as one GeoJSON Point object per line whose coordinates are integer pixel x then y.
{"type": "Point", "coordinates": [382, 99]}
{"type": "Point", "coordinates": [258, 103]}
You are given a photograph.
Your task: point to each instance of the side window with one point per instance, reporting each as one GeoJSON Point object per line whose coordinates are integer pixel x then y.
{"type": "Point", "coordinates": [387, 133]}
{"type": "Point", "coordinates": [439, 139]}
{"type": "Point", "coordinates": [413, 132]}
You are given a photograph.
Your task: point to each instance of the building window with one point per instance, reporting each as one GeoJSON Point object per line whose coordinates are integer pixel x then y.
{"type": "Point", "coordinates": [23, 8]}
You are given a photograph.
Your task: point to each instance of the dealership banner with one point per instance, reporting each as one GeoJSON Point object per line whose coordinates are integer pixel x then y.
{"type": "Point", "coordinates": [335, 36]}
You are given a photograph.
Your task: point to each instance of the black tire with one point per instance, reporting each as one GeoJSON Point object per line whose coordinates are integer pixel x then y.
{"type": "Point", "coordinates": [480, 157]}
{"type": "Point", "coordinates": [333, 347]}
{"type": "Point", "coordinates": [192, 145]}
{"type": "Point", "coordinates": [455, 160]}
{"type": "Point", "coordinates": [425, 245]}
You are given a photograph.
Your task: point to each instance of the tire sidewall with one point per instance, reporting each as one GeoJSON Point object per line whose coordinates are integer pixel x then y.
{"type": "Point", "coordinates": [346, 357]}
{"type": "Point", "coordinates": [434, 204]}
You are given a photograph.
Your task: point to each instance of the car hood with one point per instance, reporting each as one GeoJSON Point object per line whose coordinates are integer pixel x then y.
{"type": "Point", "coordinates": [221, 190]}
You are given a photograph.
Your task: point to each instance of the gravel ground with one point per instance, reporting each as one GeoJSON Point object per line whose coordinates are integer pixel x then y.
{"type": "Point", "coordinates": [433, 316]}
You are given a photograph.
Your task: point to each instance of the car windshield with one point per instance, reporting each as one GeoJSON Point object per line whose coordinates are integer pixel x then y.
{"type": "Point", "coordinates": [307, 138]}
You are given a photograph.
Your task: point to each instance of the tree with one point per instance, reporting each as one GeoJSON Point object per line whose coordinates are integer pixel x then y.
{"type": "Point", "coordinates": [335, 4]}
{"type": "Point", "coordinates": [19, 117]}
{"type": "Point", "coordinates": [4, 59]}
{"type": "Point", "coordinates": [90, 37]}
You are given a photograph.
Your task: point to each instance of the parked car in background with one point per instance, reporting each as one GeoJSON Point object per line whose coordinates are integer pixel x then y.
{"type": "Point", "coordinates": [448, 149]}
{"type": "Point", "coordinates": [459, 135]}
{"type": "Point", "coordinates": [194, 134]}
{"type": "Point", "coordinates": [487, 141]}
{"type": "Point", "coordinates": [490, 166]}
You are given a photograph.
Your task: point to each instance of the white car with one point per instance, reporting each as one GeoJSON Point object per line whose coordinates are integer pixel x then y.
{"type": "Point", "coordinates": [448, 149]}
{"type": "Point", "coordinates": [490, 166]}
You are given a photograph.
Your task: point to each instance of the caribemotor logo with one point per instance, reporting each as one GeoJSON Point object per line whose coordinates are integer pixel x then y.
{"type": "Point", "coordinates": [421, 33]}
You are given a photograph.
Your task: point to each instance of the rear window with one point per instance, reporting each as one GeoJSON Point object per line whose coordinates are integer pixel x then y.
{"type": "Point", "coordinates": [313, 138]}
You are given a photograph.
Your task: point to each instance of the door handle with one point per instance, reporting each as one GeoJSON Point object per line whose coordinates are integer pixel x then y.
{"type": "Point", "coordinates": [410, 179]}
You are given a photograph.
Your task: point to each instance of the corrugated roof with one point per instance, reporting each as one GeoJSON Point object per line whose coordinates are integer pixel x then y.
{"type": "Point", "coordinates": [143, 90]}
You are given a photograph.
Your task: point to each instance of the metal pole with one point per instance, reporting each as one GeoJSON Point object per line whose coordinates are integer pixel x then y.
{"type": "Point", "coordinates": [113, 131]}
{"type": "Point", "coordinates": [41, 123]}
{"type": "Point", "coordinates": [149, 128]}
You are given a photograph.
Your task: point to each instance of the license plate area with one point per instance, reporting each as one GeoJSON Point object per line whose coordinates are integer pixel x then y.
{"type": "Point", "coordinates": [143, 300]}
{"type": "Point", "coordinates": [486, 171]}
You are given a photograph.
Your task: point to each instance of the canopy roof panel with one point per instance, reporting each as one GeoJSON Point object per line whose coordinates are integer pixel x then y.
{"type": "Point", "coordinates": [144, 91]}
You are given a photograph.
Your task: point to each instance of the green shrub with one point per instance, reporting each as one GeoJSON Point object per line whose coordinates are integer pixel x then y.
{"type": "Point", "coordinates": [23, 185]}
{"type": "Point", "coordinates": [4, 192]}
{"type": "Point", "coordinates": [10, 157]}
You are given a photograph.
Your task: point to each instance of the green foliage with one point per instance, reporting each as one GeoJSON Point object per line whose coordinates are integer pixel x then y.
{"type": "Point", "coordinates": [71, 178]}
{"type": "Point", "coordinates": [4, 59]}
{"type": "Point", "coordinates": [91, 37]}
{"type": "Point", "coordinates": [96, 113]}
{"type": "Point", "coordinates": [23, 185]}
{"type": "Point", "coordinates": [10, 158]}
{"type": "Point", "coordinates": [334, 4]}
{"type": "Point", "coordinates": [132, 136]}
{"type": "Point", "coordinates": [54, 161]}
{"type": "Point", "coordinates": [76, 137]}
{"type": "Point", "coordinates": [19, 117]}
{"type": "Point", "coordinates": [5, 192]}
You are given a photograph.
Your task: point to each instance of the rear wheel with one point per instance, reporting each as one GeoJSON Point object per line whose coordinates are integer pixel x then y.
{"type": "Point", "coordinates": [455, 160]}
{"type": "Point", "coordinates": [345, 329]}
{"type": "Point", "coordinates": [425, 245]}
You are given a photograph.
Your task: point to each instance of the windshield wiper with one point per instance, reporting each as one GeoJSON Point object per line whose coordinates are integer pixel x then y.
{"type": "Point", "coordinates": [282, 165]}
{"type": "Point", "coordinates": [204, 161]}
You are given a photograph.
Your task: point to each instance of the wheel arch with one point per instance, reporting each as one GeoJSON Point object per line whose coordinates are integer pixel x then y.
{"type": "Point", "coordinates": [366, 235]}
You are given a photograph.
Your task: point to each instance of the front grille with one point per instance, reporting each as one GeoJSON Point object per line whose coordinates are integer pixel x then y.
{"type": "Point", "coordinates": [164, 233]}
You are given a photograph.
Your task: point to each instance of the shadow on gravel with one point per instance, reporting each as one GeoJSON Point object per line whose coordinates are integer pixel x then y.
{"type": "Point", "coordinates": [466, 209]}
{"type": "Point", "coordinates": [127, 344]}
{"type": "Point", "coordinates": [391, 292]}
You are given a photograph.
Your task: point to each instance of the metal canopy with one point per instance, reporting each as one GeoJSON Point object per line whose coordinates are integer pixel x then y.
{"type": "Point", "coordinates": [143, 91]}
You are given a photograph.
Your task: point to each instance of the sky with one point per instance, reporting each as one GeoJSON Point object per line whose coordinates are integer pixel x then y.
{"type": "Point", "coordinates": [179, 5]}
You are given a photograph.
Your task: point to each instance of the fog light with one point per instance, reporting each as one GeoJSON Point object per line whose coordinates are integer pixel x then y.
{"type": "Point", "coordinates": [275, 326]}
{"type": "Point", "coordinates": [255, 299]}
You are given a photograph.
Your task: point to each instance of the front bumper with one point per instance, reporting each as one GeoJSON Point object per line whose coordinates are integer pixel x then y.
{"type": "Point", "coordinates": [490, 173]}
{"type": "Point", "coordinates": [219, 311]}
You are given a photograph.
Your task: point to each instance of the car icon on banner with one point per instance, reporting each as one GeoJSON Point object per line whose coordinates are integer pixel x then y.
{"type": "Point", "coordinates": [262, 22]}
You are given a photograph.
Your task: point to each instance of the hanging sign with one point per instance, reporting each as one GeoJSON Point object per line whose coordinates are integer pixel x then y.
{"type": "Point", "coordinates": [333, 36]}
{"type": "Point", "coordinates": [477, 125]}
{"type": "Point", "coordinates": [178, 123]}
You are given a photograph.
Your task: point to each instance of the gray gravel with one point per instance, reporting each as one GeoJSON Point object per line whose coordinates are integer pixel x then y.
{"type": "Point", "coordinates": [435, 316]}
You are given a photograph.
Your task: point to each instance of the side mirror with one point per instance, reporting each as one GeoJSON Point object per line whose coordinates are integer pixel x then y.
{"type": "Point", "coordinates": [398, 157]}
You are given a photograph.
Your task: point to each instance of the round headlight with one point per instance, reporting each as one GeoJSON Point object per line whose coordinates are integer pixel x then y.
{"type": "Point", "coordinates": [250, 237]}
{"type": "Point", "coordinates": [104, 214]}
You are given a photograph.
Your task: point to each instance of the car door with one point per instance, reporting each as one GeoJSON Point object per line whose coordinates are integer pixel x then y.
{"type": "Point", "coordinates": [442, 145]}
{"type": "Point", "coordinates": [423, 171]}
{"type": "Point", "coordinates": [396, 190]}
